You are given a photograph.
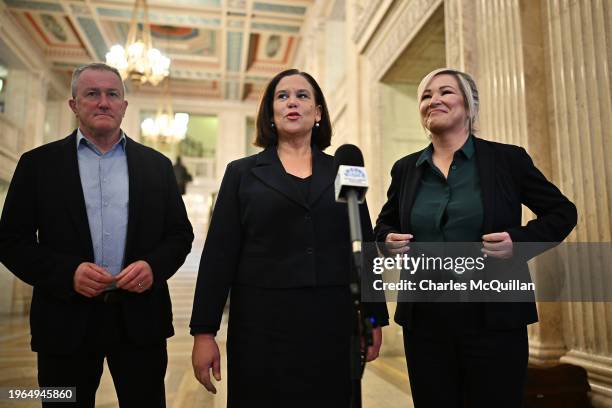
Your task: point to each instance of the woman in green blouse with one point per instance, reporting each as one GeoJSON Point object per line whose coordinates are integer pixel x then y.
{"type": "Point", "coordinates": [465, 189]}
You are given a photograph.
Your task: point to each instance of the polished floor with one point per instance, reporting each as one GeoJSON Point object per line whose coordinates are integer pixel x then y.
{"type": "Point", "coordinates": [385, 382]}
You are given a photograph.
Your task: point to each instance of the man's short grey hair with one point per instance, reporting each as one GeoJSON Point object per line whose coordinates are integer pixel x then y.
{"type": "Point", "coordinates": [98, 66]}
{"type": "Point", "coordinates": [468, 88]}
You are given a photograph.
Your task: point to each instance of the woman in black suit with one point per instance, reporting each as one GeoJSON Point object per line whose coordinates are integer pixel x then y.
{"type": "Point", "coordinates": [280, 241]}
{"type": "Point", "coordinates": [464, 189]}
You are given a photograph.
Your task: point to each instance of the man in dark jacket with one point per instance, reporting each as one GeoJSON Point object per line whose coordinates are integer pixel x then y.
{"type": "Point", "coordinates": [95, 223]}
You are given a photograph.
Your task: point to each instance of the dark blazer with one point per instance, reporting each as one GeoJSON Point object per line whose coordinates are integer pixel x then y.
{"type": "Point", "coordinates": [264, 233]}
{"type": "Point", "coordinates": [508, 178]}
{"type": "Point", "coordinates": [44, 236]}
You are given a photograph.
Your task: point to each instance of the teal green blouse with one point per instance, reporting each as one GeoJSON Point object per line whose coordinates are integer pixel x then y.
{"type": "Point", "coordinates": [448, 209]}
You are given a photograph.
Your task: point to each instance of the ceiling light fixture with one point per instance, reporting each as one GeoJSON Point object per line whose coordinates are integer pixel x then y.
{"type": "Point", "coordinates": [139, 61]}
{"type": "Point", "coordinates": [166, 126]}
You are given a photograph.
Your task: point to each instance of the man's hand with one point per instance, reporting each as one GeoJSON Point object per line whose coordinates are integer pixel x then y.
{"type": "Point", "coordinates": [90, 279]}
{"type": "Point", "coordinates": [205, 355]}
{"type": "Point", "coordinates": [374, 349]}
{"type": "Point", "coordinates": [136, 277]}
{"type": "Point", "coordinates": [397, 243]}
{"type": "Point", "coordinates": [497, 245]}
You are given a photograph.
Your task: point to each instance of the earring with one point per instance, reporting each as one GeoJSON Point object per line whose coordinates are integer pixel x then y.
{"type": "Point", "coordinates": [316, 124]}
{"type": "Point", "coordinates": [271, 124]}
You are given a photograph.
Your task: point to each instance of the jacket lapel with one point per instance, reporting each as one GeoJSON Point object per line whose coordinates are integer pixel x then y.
{"type": "Point", "coordinates": [412, 180]}
{"type": "Point", "coordinates": [73, 193]}
{"type": "Point", "coordinates": [269, 169]}
{"type": "Point", "coordinates": [322, 175]}
{"type": "Point", "coordinates": [135, 176]}
{"type": "Point", "coordinates": [485, 161]}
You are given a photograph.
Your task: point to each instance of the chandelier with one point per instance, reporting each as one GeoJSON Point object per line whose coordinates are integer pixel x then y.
{"type": "Point", "coordinates": [139, 61]}
{"type": "Point", "coordinates": [166, 126]}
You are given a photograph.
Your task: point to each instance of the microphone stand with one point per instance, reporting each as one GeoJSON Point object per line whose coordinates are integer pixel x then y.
{"type": "Point", "coordinates": [362, 327]}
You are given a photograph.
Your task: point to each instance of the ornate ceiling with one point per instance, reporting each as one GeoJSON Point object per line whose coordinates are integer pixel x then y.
{"type": "Point", "coordinates": [220, 49]}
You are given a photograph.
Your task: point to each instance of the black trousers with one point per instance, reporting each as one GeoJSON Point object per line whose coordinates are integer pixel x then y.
{"type": "Point", "coordinates": [454, 362]}
{"type": "Point", "coordinates": [138, 371]}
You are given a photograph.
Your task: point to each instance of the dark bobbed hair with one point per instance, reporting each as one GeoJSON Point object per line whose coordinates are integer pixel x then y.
{"type": "Point", "coordinates": [266, 133]}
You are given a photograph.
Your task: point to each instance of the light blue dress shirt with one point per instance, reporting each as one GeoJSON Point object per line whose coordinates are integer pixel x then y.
{"type": "Point", "coordinates": [104, 178]}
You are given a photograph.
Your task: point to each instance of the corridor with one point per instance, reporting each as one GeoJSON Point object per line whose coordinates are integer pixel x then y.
{"type": "Point", "coordinates": [385, 382]}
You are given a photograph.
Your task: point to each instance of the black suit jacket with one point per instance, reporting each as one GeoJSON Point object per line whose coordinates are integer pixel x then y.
{"type": "Point", "coordinates": [508, 178]}
{"type": "Point", "coordinates": [264, 233]}
{"type": "Point", "coordinates": [44, 236]}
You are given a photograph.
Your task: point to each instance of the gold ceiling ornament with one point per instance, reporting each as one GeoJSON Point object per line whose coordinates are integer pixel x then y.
{"type": "Point", "coordinates": [166, 126]}
{"type": "Point", "coordinates": [139, 61]}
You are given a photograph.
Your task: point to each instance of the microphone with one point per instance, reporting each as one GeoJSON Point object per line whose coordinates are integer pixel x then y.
{"type": "Point", "coordinates": [350, 173]}
{"type": "Point", "coordinates": [350, 187]}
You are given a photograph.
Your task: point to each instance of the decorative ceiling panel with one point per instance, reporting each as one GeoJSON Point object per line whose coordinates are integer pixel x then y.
{"type": "Point", "coordinates": [34, 5]}
{"type": "Point", "coordinates": [161, 18]}
{"type": "Point", "coordinates": [94, 36]}
{"type": "Point", "coordinates": [54, 30]}
{"type": "Point", "coordinates": [54, 34]}
{"type": "Point", "coordinates": [234, 50]}
{"type": "Point", "coordinates": [275, 27]}
{"type": "Point", "coordinates": [271, 48]}
{"type": "Point", "coordinates": [219, 48]}
{"type": "Point", "coordinates": [279, 8]}
{"type": "Point", "coordinates": [175, 41]}
{"type": "Point", "coordinates": [187, 87]}
{"type": "Point", "coordinates": [254, 90]}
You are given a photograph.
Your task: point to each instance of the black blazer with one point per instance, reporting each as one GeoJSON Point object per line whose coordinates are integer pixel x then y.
{"type": "Point", "coordinates": [508, 178]}
{"type": "Point", "coordinates": [44, 236]}
{"type": "Point", "coordinates": [264, 233]}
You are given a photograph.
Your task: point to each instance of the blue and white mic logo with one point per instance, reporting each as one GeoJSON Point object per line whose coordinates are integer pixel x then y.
{"type": "Point", "coordinates": [351, 176]}
{"type": "Point", "coordinates": [354, 172]}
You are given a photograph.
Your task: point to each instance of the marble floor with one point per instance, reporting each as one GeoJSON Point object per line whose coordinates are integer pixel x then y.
{"type": "Point", "coordinates": [385, 382]}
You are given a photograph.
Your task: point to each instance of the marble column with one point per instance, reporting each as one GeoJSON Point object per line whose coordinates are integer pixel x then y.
{"type": "Point", "coordinates": [66, 122]}
{"type": "Point", "coordinates": [25, 109]}
{"type": "Point", "coordinates": [335, 55]}
{"type": "Point", "coordinates": [578, 36]}
{"type": "Point", "coordinates": [26, 105]}
{"type": "Point", "coordinates": [500, 74]}
{"type": "Point", "coordinates": [131, 121]}
{"type": "Point", "coordinates": [544, 77]}
{"type": "Point", "coordinates": [231, 141]}
{"type": "Point", "coordinates": [512, 80]}
{"type": "Point", "coordinates": [10, 136]}
{"type": "Point", "coordinates": [59, 120]}
{"type": "Point", "coordinates": [460, 35]}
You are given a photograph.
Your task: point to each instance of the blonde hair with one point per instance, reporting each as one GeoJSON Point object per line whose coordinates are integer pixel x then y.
{"type": "Point", "coordinates": [466, 85]}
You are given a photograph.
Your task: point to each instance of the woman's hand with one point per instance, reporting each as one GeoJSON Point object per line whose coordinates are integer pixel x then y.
{"type": "Point", "coordinates": [497, 245]}
{"type": "Point", "coordinates": [374, 349]}
{"type": "Point", "coordinates": [397, 243]}
{"type": "Point", "coordinates": [205, 355]}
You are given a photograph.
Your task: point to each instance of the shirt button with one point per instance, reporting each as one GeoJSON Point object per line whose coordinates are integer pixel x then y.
{"type": "Point", "coordinates": [106, 204]}
{"type": "Point", "coordinates": [107, 233]}
{"type": "Point", "coordinates": [454, 167]}
{"type": "Point", "coordinates": [307, 217]}
{"type": "Point", "coordinates": [309, 250]}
